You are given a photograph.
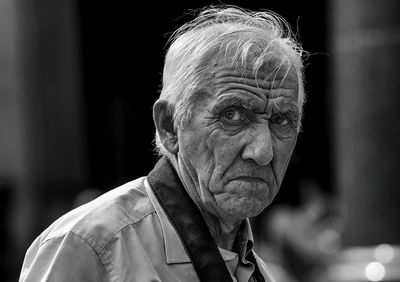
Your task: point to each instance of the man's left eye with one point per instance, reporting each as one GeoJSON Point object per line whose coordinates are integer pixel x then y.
{"type": "Point", "coordinates": [233, 115]}
{"type": "Point", "coordinates": [280, 120]}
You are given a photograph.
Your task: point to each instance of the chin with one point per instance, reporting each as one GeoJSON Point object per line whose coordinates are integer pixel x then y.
{"type": "Point", "coordinates": [244, 207]}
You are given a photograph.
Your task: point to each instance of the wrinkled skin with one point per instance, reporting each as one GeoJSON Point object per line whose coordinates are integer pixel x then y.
{"type": "Point", "coordinates": [234, 152]}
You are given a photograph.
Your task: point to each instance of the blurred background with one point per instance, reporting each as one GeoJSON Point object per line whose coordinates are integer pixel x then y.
{"type": "Point", "coordinates": [77, 82]}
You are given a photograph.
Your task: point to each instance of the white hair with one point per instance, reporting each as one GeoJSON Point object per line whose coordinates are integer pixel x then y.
{"type": "Point", "coordinates": [247, 39]}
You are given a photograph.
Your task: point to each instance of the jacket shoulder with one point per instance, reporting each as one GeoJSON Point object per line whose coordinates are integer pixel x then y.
{"type": "Point", "coordinates": [101, 219]}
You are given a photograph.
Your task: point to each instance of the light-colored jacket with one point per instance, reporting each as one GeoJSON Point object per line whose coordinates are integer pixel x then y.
{"type": "Point", "coordinates": [124, 235]}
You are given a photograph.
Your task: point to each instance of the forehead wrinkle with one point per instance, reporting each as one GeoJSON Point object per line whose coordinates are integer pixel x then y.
{"type": "Point", "coordinates": [261, 93]}
{"type": "Point", "coordinates": [241, 77]}
{"type": "Point", "coordinates": [247, 100]}
{"type": "Point", "coordinates": [285, 93]}
{"type": "Point", "coordinates": [227, 77]}
{"type": "Point", "coordinates": [276, 68]}
{"type": "Point", "coordinates": [278, 81]}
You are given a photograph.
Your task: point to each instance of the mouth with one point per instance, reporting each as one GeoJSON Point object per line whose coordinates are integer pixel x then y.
{"type": "Point", "coordinates": [250, 179]}
{"type": "Point", "coordinates": [249, 187]}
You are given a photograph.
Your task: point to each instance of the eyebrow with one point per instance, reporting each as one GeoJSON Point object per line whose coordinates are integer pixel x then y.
{"type": "Point", "coordinates": [256, 104]}
{"type": "Point", "coordinates": [247, 101]}
{"type": "Point", "coordinates": [286, 105]}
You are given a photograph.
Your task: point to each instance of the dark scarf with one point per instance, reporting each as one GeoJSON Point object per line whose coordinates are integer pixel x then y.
{"type": "Point", "coordinates": [190, 225]}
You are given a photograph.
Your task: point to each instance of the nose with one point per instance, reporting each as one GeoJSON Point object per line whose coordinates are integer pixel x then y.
{"type": "Point", "coordinates": [259, 145]}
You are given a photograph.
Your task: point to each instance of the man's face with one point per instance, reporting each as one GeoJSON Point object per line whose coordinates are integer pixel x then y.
{"type": "Point", "coordinates": [238, 144]}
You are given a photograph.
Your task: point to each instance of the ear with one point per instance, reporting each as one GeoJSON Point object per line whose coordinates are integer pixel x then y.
{"type": "Point", "coordinates": [163, 121]}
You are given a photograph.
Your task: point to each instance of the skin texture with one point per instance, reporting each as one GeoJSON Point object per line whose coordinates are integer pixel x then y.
{"type": "Point", "coordinates": [234, 152]}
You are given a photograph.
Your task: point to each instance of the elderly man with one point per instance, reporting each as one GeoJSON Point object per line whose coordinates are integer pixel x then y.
{"type": "Point", "coordinates": [226, 124]}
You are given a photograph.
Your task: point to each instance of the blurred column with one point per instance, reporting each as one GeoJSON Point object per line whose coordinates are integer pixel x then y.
{"type": "Point", "coordinates": [365, 94]}
{"type": "Point", "coordinates": [50, 135]}
{"type": "Point", "coordinates": [11, 133]}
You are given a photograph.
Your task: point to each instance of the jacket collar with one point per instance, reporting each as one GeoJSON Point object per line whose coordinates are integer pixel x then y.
{"type": "Point", "coordinates": [188, 223]}
{"type": "Point", "coordinates": [174, 250]}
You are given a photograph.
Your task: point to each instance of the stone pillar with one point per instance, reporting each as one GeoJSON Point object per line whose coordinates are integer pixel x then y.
{"type": "Point", "coordinates": [11, 135]}
{"type": "Point", "coordinates": [365, 93]}
{"type": "Point", "coordinates": [42, 142]}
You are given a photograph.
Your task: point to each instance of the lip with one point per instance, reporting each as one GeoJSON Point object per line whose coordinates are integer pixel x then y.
{"type": "Point", "coordinates": [250, 179]}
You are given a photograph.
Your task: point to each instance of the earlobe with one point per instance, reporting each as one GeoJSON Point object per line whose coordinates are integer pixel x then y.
{"type": "Point", "coordinates": [163, 120]}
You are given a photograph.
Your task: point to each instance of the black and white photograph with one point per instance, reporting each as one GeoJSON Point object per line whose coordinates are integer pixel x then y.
{"type": "Point", "coordinates": [210, 141]}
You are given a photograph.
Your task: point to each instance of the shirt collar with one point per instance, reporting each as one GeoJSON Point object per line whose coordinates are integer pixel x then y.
{"type": "Point", "coordinates": [244, 240]}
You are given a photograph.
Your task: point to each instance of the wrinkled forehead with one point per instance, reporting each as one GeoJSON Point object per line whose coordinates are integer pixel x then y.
{"type": "Point", "coordinates": [271, 73]}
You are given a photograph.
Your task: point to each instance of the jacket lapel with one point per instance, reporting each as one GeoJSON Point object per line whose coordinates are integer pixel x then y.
{"type": "Point", "coordinates": [188, 222]}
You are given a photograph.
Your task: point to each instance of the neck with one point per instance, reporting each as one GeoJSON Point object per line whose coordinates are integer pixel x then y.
{"type": "Point", "coordinates": [222, 228]}
{"type": "Point", "coordinates": [224, 235]}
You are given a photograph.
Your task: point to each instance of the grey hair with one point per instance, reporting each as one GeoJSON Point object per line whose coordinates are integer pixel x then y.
{"type": "Point", "coordinates": [248, 39]}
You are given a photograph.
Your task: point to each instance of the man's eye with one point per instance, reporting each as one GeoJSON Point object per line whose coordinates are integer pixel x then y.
{"type": "Point", "coordinates": [283, 121]}
{"type": "Point", "coordinates": [233, 115]}
{"type": "Point", "coordinates": [280, 120]}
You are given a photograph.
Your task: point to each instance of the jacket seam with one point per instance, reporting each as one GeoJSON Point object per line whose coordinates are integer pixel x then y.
{"type": "Point", "coordinates": [122, 228]}
{"type": "Point", "coordinates": [83, 239]}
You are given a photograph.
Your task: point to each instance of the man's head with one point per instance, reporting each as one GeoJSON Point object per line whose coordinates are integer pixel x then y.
{"type": "Point", "coordinates": [230, 108]}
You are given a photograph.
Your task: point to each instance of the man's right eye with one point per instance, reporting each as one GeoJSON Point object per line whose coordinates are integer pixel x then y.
{"type": "Point", "coordinates": [233, 114]}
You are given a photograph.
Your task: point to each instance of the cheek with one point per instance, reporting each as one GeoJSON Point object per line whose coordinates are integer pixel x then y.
{"type": "Point", "coordinates": [198, 148]}
{"type": "Point", "coordinates": [225, 150]}
{"type": "Point", "coordinates": [282, 154]}
{"type": "Point", "coordinates": [224, 147]}
{"type": "Point", "coordinates": [194, 149]}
